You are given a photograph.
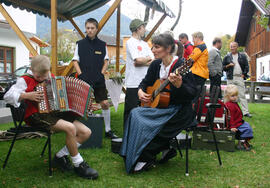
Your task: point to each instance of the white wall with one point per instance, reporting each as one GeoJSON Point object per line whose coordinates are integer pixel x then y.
{"type": "Point", "coordinates": [26, 21]}
{"type": "Point", "coordinates": [8, 38]}
{"type": "Point", "coordinates": [262, 63]}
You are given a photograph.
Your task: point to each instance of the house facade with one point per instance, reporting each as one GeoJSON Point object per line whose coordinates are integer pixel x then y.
{"type": "Point", "coordinates": [254, 37]}
{"type": "Point", "coordinates": [13, 53]}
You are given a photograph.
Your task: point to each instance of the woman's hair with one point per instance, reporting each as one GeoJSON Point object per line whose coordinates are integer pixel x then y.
{"type": "Point", "coordinates": [180, 49]}
{"type": "Point", "coordinates": [164, 40]}
{"type": "Point", "coordinates": [40, 64]}
{"type": "Point", "coordinates": [230, 91]}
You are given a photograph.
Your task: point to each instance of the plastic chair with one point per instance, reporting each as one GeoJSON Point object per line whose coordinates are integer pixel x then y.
{"type": "Point", "coordinates": [18, 117]}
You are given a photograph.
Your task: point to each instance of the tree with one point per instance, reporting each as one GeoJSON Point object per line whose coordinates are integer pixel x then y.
{"type": "Point", "coordinates": [226, 40]}
{"type": "Point", "coordinates": [66, 43]}
{"type": "Point", "coordinates": [264, 20]}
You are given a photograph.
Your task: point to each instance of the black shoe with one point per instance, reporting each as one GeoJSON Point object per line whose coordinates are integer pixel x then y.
{"type": "Point", "coordinates": [146, 167]}
{"type": "Point", "coordinates": [63, 163]}
{"type": "Point", "coordinates": [171, 154]}
{"type": "Point", "coordinates": [85, 171]}
{"type": "Point", "coordinates": [110, 135]}
{"type": "Point", "coordinates": [248, 115]}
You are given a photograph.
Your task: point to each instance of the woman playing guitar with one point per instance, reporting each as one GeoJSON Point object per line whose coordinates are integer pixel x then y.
{"type": "Point", "coordinates": [149, 130]}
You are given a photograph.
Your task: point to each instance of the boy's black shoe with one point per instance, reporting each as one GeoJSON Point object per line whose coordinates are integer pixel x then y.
{"type": "Point", "coordinates": [171, 154]}
{"type": "Point", "coordinates": [63, 163]}
{"type": "Point", "coordinates": [85, 171]}
{"type": "Point", "coordinates": [110, 135]}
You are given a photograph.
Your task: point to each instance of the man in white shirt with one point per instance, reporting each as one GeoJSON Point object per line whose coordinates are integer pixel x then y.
{"type": "Point", "coordinates": [139, 57]}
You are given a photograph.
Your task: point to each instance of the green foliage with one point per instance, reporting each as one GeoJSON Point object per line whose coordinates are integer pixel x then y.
{"type": "Point", "coordinates": [240, 168]}
{"type": "Point", "coordinates": [263, 20]}
{"type": "Point", "coordinates": [66, 44]}
{"type": "Point", "coordinates": [226, 40]}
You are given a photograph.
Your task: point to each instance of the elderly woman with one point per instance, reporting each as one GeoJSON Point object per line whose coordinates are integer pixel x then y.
{"type": "Point", "coordinates": [149, 130]}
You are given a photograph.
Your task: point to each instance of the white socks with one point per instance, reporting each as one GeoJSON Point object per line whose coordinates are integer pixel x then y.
{"type": "Point", "coordinates": [107, 119]}
{"type": "Point", "coordinates": [139, 166]}
{"type": "Point", "coordinates": [76, 160]}
{"type": "Point", "coordinates": [64, 151]}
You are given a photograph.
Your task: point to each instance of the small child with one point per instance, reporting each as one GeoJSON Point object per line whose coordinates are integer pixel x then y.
{"type": "Point", "coordinates": [76, 132]}
{"type": "Point", "coordinates": [242, 128]}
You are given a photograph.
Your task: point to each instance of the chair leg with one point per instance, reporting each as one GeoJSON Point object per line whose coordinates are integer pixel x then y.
{"type": "Point", "coordinates": [44, 148]}
{"type": "Point", "coordinates": [178, 147]}
{"type": "Point", "coordinates": [187, 174]}
{"type": "Point", "coordinates": [10, 148]}
{"type": "Point", "coordinates": [215, 140]}
{"type": "Point", "coordinates": [50, 155]}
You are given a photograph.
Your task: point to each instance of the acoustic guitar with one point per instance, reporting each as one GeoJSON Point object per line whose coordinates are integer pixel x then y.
{"type": "Point", "coordinates": [160, 95]}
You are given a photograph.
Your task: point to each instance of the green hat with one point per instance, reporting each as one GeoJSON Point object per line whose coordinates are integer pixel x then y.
{"type": "Point", "coordinates": [134, 24]}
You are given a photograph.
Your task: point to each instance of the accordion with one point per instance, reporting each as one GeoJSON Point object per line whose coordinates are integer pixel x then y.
{"type": "Point", "coordinates": [65, 94]}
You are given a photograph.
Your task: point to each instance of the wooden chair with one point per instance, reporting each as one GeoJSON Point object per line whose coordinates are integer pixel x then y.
{"type": "Point", "coordinates": [18, 117]}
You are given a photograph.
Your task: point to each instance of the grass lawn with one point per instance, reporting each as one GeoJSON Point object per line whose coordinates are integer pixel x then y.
{"type": "Point", "coordinates": [243, 169]}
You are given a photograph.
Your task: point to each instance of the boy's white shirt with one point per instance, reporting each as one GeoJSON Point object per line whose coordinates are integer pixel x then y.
{"type": "Point", "coordinates": [13, 94]}
{"type": "Point", "coordinates": [76, 56]}
{"type": "Point", "coordinates": [136, 49]}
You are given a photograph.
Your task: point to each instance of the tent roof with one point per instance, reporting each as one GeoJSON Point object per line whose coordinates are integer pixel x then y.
{"type": "Point", "coordinates": [73, 8]}
{"type": "Point", "coordinates": [158, 5]}
{"type": "Point", "coordinates": [66, 8]}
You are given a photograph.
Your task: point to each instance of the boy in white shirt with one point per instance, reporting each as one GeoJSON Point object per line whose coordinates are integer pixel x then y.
{"type": "Point", "coordinates": [139, 57]}
{"type": "Point", "coordinates": [76, 132]}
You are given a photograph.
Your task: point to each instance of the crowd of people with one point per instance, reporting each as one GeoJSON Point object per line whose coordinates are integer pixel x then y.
{"type": "Point", "coordinates": [147, 131]}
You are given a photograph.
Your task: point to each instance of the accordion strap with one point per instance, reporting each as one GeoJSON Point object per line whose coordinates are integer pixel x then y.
{"type": "Point", "coordinates": [29, 75]}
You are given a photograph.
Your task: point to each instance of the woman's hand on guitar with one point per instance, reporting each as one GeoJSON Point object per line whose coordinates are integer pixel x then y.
{"type": "Point", "coordinates": [144, 97]}
{"type": "Point", "coordinates": [175, 79]}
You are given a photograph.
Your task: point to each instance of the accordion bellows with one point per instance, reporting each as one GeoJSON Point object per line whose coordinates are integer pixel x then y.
{"type": "Point", "coordinates": [65, 94]}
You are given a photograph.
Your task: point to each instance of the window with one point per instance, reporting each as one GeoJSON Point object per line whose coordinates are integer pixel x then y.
{"type": "Point", "coordinates": [6, 60]}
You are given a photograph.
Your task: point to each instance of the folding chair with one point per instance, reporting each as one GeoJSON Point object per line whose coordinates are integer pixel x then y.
{"type": "Point", "coordinates": [18, 117]}
{"type": "Point", "coordinates": [210, 115]}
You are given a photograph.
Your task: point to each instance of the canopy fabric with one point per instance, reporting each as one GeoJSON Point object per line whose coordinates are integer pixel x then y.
{"type": "Point", "coordinates": [159, 5]}
{"type": "Point", "coordinates": [68, 8]}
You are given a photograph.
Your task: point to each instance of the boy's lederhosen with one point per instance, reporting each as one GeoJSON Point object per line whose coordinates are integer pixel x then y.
{"type": "Point", "coordinates": [35, 119]}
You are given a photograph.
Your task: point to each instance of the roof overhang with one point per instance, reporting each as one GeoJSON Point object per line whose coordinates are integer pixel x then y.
{"type": "Point", "coordinates": [245, 17]}
{"type": "Point", "coordinates": [39, 41]}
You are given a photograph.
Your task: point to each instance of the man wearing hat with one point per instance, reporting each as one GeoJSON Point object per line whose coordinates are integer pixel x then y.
{"type": "Point", "coordinates": [139, 57]}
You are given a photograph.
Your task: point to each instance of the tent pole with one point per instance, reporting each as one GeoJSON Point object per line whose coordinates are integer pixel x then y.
{"type": "Point", "coordinates": [155, 27]}
{"type": "Point", "coordinates": [118, 37]}
{"type": "Point", "coordinates": [17, 30]}
{"type": "Point", "coordinates": [108, 14]}
{"type": "Point", "coordinates": [76, 27]}
{"type": "Point", "coordinates": [54, 36]}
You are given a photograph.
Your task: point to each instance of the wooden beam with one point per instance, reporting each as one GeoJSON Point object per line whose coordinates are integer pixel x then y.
{"type": "Point", "coordinates": [68, 69]}
{"type": "Point", "coordinates": [108, 14]}
{"type": "Point", "coordinates": [155, 27]}
{"type": "Point", "coordinates": [35, 7]}
{"type": "Point", "coordinates": [118, 38]}
{"type": "Point", "coordinates": [76, 27]}
{"type": "Point", "coordinates": [17, 30]}
{"type": "Point", "coordinates": [123, 69]}
{"type": "Point", "coordinates": [54, 36]}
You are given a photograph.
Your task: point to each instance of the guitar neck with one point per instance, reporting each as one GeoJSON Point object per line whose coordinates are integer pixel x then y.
{"type": "Point", "coordinates": [162, 86]}
{"type": "Point", "coordinates": [182, 70]}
